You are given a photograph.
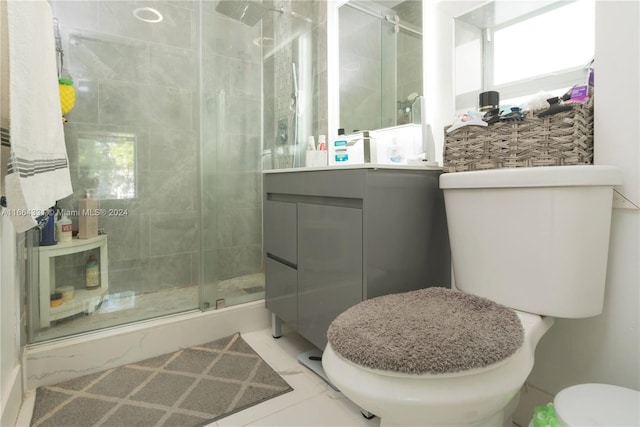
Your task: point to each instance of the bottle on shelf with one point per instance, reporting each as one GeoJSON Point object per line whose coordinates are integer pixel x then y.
{"type": "Point", "coordinates": [64, 229]}
{"type": "Point", "coordinates": [87, 217]}
{"type": "Point", "coordinates": [92, 273]}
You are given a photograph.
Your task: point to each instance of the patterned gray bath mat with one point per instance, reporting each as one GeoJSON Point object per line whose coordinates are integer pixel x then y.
{"type": "Point", "coordinates": [191, 387]}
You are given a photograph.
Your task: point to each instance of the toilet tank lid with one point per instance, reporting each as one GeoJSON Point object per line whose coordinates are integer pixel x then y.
{"type": "Point", "coordinates": [597, 405]}
{"type": "Point", "coordinates": [543, 176]}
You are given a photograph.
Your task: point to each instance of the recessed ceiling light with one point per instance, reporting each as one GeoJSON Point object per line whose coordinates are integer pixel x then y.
{"type": "Point", "coordinates": [147, 14]}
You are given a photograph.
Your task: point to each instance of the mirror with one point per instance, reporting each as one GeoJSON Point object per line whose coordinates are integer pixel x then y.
{"type": "Point", "coordinates": [380, 63]}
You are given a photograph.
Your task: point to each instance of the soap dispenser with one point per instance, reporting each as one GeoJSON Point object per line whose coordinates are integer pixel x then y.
{"type": "Point", "coordinates": [87, 217]}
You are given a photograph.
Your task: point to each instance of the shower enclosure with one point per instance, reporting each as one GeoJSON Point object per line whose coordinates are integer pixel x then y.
{"type": "Point", "coordinates": [179, 107]}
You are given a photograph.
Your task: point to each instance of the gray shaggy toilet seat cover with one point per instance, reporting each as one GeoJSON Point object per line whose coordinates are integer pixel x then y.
{"type": "Point", "coordinates": [428, 331]}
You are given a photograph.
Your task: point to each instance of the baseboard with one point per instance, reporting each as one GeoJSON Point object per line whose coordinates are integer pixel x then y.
{"type": "Point", "coordinates": [65, 359]}
{"type": "Point", "coordinates": [11, 404]}
{"type": "Point", "coordinates": [530, 397]}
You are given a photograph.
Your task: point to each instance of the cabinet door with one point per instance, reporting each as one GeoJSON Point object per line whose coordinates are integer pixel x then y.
{"type": "Point", "coordinates": [280, 230]}
{"type": "Point", "coordinates": [281, 291]}
{"type": "Point", "coordinates": [329, 266]}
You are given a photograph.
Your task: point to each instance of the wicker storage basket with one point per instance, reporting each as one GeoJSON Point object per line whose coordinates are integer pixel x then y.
{"type": "Point", "coordinates": [564, 138]}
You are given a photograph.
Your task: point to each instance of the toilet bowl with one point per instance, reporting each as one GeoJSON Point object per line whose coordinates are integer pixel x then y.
{"type": "Point", "coordinates": [532, 240]}
{"type": "Point", "coordinates": [476, 397]}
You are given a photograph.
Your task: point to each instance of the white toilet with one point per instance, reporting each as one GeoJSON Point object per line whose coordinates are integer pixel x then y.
{"type": "Point", "coordinates": [534, 241]}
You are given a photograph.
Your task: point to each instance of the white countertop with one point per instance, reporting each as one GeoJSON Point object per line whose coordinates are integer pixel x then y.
{"type": "Point", "coordinates": [357, 166]}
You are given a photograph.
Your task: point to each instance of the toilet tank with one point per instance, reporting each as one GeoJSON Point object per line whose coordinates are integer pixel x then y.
{"type": "Point", "coordinates": [533, 239]}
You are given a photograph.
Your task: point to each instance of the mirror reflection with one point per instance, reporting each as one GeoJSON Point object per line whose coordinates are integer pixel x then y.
{"type": "Point", "coordinates": [380, 63]}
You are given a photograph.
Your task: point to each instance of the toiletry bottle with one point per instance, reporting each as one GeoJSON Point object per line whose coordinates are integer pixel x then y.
{"type": "Point", "coordinates": [322, 142]}
{"type": "Point", "coordinates": [394, 153]}
{"type": "Point", "coordinates": [340, 152]}
{"type": "Point", "coordinates": [48, 232]}
{"type": "Point", "coordinates": [87, 217]}
{"type": "Point", "coordinates": [311, 143]}
{"type": "Point", "coordinates": [64, 229]}
{"type": "Point", "coordinates": [92, 273]}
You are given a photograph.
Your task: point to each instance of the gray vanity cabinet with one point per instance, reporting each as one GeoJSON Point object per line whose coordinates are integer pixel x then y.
{"type": "Point", "coordinates": [333, 238]}
{"type": "Point", "coordinates": [329, 266]}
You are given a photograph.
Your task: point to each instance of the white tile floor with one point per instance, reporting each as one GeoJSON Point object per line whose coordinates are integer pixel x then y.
{"type": "Point", "coordinates": [311, 403]}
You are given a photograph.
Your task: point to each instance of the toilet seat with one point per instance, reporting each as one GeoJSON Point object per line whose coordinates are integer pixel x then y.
{"type": "Point", "coordinates": [597, 404]}
{"type": "Point", "coordinates": [429, 331]}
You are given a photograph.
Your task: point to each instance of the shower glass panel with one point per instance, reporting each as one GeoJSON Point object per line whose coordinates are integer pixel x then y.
{"type": "Point", "coordinates": [173, 123]}
{"type": "Point", "coordinates": [133, 141]}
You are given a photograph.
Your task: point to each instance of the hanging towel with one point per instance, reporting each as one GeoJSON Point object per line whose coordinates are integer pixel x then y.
{"type": "Point", "coordinates": [38, 168]}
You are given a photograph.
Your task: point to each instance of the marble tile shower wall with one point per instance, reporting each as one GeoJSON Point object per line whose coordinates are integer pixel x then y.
{"type": "Point", "coordinates": [140, 79]}
{"type": "Point", "coordinates": [232, 179]}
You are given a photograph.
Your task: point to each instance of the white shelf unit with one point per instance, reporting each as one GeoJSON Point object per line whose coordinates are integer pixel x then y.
{"type": "Point", "coordinates": [84, 300]}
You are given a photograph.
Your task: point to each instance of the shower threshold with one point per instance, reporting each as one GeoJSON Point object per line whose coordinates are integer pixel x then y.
{"type": "Point", "coordinates": [130, 307]}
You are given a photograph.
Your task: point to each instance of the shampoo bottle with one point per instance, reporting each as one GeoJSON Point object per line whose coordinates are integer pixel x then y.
{"type": "Point", "coordinates": [87, 217]}
{"type": "Point", "coordinates": [92, 273]}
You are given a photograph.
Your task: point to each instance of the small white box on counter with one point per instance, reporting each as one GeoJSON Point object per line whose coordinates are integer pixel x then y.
{"type": "Point", "coordinates": [316, 158]}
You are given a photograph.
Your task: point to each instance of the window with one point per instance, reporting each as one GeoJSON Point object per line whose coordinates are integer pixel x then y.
{"type": "Point", "coordinates": [525, 47]}
{"type": "Point", "coordinates": [106, 165]}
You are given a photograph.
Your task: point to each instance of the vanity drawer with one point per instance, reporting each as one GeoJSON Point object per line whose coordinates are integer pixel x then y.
{"type": "Point", "coordinates": [330, 183]}
{"type": "Point", "coordinates": [281, 291]}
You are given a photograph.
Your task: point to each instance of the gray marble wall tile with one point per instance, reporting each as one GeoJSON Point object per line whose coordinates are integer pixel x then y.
{"type": "Point", "coordinates": [86, 108]}
{"type": "Point", "coordinates": [169, 66]}
{"type": "Point", "coordinates": [244, 79]}
{"type": "Point", "coordinates": [238, 153]}
{"type": "Point", "coordinates": [239, 190]}
{"type": "Point", "coordinates": [173, 233]}
{"type": "Point", "coordinates": [238, 261]}
{"type": "Point", "coordinates": [99, 56]}
{"type": "Point", "coordinates": [215, 73]}
{"type": "Point", "coordinates": [209, 6]}
{"type": "Point", "coordinates": [239, 227]}
{"type": "Point", "coordinates": [161, 272]}
{"type": "Point", "coordinates": [128, 236]}
{"type": "Point", "coordinates": [168, 192]}
{"type": "Point", "coordinates": [128, 275]}
{"type": "Point", "coordinates": [210, 266]}
{"type": "Point", "coordinates": [173, 151]}
{"type": "Point", "coordinates": [121, 103]}
{"type": "Point", "coordinates": [166, 107]}
{"type": "Point", "coordinates": [176, 28]}
{"type": "Point", "coordinates": [243, 116]}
